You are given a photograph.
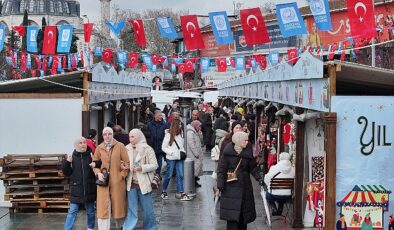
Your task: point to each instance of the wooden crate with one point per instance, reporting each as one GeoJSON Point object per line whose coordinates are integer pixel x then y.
{"type": "Point", "coordinates": [32, 160]}
{"type": "Point", "coordinates": [40, 206]}
{"type": "Point", "coordinates": [29, 193]}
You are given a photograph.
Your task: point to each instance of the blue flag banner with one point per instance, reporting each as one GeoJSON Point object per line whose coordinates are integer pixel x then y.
{"type": "Point", "coordinates": [178, 60]}
{"type": "Point", "coordinates": [98, 51]}
{"type": "Point", "coordinates": [290, 20]}
{"type": "Point", "coordinates": [2, 36]}
{"type": "Point", "coordinates": [59, 64]}
{"type": "Point", "coordinates": [221, 28]}
{"type": "Point", "coordinates": [339, 48]}
{"type": "Point", "coordinates": [204, 63]}
{"type": "Point", "coordinates": [121, 57]}
{"type": "Point", "coordinates": [31, 39]}
{"type": "Point", "coordinates": [147, 60]}
{"type": "Point", "coordinates": [173, 68]}
{"type": "Point", "coordinates": [240, 63]}
{"type": "Point", "coordinates": [166, 28]}
{"type": "Point", "coordinates": [28, 62]}
{"type": "Point", "coordinates": [65, 37]}
{"type": "Point", "coordinates": [165, 63]}
{"type": "Point", "coordinates": [116, 27]}
{"type": "Point", "coordinates": [321, 13]}
{"type": "Point", "coordinates": [274, 57]}
{"type": "Point", "coordinates": [154, 68]}
{"type": "Point", "coordinates": [69, 60]}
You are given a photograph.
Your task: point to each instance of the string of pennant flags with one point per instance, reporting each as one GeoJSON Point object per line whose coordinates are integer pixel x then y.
{"type": "Point", "coordinates": [57, 39]}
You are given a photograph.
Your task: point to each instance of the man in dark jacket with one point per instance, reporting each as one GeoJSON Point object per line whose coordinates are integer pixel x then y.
{"type": "Point", "coordinates": [156, 129]}
{"type": "Point", "coordinates": [82, 183]}
{"type": "Point", "coordinates": [207, 131]}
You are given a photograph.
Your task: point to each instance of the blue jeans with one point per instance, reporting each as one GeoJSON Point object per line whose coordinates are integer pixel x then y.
{"type": "Point", "coordinates": [178, 165]}
{"type": "Point", "coordinates": [159, 158]}
{"type": "Point", "coordinates": [72, 215]}
{"type": "Point", "coordinates": [134, 196]}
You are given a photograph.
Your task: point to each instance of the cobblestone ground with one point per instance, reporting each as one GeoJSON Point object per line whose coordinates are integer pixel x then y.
{"type": "Point", "coordinates": [170, 214]}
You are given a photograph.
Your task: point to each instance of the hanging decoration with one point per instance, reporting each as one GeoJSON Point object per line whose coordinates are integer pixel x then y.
{"type": "Point", "coordinates": [87, 31]}
{"type": "Point", "coordinates": [362, 18]}
{"type": "Point", "coordinates": [49, 45]}
{"type": "Point", "coordinates": [65, 38]}
{"type": "Point", "coordinates": [191, 33]}
{"type": "Point", "coordinates": [321, 12]}
{"type": "Point", "coordinates": [139, 32]}
{"type": "Point", "coordinates": [290, 20]}
{"type": "Point", "coordinates": [107, 55]}
{"type": "Point", "coordinates": [166, 28]}
{"type": "Point", "coordinates": [116, 27]}
{"type": "Point", "coordinates": [240, 63]}
{"type": "Point", "coordinates": [20, 30]}
{"type": "Point", "coordinates": [222, 65]}
{"type": "Point", "coordinates": [31, 39]}
{"type": "Point", "coordinates": [221, 28]}
{"type": "Point", "coordinates": [2, 36]}
{"type": "Point", "coordinates": [254, 27]}
{"type": "Point", "coordinates": [133, 60]}
{"type": "Point", "coordinates": [204, 65]}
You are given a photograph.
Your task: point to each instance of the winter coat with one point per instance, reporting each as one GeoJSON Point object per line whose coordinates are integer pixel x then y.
{"type": "Point", "coordinates": [172, 152]}
{"type": "Point", "coordinates": [194, 150]}
{"type": "Point", "coordinates": [148, 164]}
{"type": "Point", "coordinates": [117, 185]}
{"type": "Point", "coordinates": [156, 130]}
{"type": "Point", "coordinates": [206, 128]}
{"type": "Point", "coordinates": [82, 178]}
{"type": "Point", "coordinates": [237, 197]}
{"type": "Point", "coordinates": [285, 170]}
{"type": "Point", "coordinates": [220, 134]}
{"type": "Point", "coordinates": [91, 144]}
{"type": "Point", "coordinates": [122, 138]}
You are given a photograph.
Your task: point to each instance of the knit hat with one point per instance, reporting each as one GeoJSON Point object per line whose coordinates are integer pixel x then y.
{"type": "Point", "coordinates": [76, 144]}
{"type": "Point", "coordinates": [284, 156]}
{"type": "Point", "coordinates": [108, 130]}
{"type": "Point", "coordinates": [239, 137]}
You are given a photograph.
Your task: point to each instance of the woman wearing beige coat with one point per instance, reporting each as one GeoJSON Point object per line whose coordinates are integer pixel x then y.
{"type": "Point", "coordinates": [194, 149]}
{"type": "Point", "coordinates": [111, 199]}
{"type": "Point", "coordinates": [143, 164]}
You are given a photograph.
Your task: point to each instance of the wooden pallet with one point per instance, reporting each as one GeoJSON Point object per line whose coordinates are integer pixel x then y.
{"type": "Point", "coordinates": [14, 160]}
{"type": "Point", "coordinates": [36, 182]}
{"type": "Point", "coordinates": [23, 194]}
{"type": "Point", "coordinates": [37, 188]}
{"type": "Point", "coordinates": [28, 172]}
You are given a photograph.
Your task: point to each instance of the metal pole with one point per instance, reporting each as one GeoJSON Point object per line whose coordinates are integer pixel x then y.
{"type": "Point", "coordinates": [373, 53]}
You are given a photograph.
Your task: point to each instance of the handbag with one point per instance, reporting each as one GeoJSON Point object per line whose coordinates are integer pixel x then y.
{"type": "Point", "coordinates": [105, 172]}
{"type": "Point", "coordinates": [155, 181]}
{"type": "Point", "coordinates": [232, 175]}
{"type": "Point", "coordinates": [182, 154]}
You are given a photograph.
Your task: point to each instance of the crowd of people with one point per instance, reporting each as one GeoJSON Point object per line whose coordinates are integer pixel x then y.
{"type": "Point", "coordinates": [118, 175]}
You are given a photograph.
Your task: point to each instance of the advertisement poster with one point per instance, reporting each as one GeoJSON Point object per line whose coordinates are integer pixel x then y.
{"type": "Point", "coordinates": [365, 153]}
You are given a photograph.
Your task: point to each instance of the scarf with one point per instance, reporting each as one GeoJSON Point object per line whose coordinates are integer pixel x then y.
{"type": "Point", "coordinates": [141, 141]}
{"type": "Point", "coordinates": [238, 138]}
{"type": "Point", "coordinates": [76, 144]}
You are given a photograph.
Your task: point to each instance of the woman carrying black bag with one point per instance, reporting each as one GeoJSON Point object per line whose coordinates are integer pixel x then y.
{"type": "Point", "coordinates": [175, 153]}
{"type": "Point", "coordinates": [233, 180]}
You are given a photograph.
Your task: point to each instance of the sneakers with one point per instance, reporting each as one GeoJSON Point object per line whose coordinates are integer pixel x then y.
{"type": "Point", "coordinates": [185, 197]}
{"type": "Point", "coordinates": [164, 196]}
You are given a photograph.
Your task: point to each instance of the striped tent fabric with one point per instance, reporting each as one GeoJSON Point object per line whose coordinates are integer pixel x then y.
{"type": "Point", "coordinates": [363, 196]}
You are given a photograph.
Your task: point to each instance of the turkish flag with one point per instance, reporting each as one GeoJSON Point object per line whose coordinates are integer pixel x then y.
{"type": "Point", "coordinates": [362, 18]}
{"type": "Point", "coordinates": [50, 35]}
{"type": "Point", "coordinates": [133, 59]}
{"type": "Point", "coordinates": [64, 62]}
{"type": "Point", "coordinates": [87, 31]}
{"type": "Point", "coordinates": [38, 62]}
{"type": "Point", "coordinates": [292, 55]}
{"type": "Point", "coordinates": [182, 68]}
{"type": "Point", "coordinates": [81, 55]}
{"type": "Point", "coordinates": [155, 59]}
{"type": "Point", "coordinates": [263, 62]}
{"type": "Point", "coordinates": [139, 32]}
{"type": "Point", "coordinates": [33, 72]}
{"type": "Point", "coordinates": [191, 33]}
{"type": "Point", "coordinates": [189, 65]}
{"type": "Point", "coordinates": [232, 61]}
{"type": "Point", "coordinates": [254, 27]}
{"type": "Point", "coordinates": [44, 64]}
{"type": "Point", "coordinates": [74, 61]}
{"type": "Point", "coordinates": [222, 64]}
{"type": "Point", "coordinates": [143, 67]}
{"type": "Point", "coordinates": [162, 59]}
{"type": "Point", "coordinates": [20, 30]}
{"type": "Point", "coordinates": [55, 64]}
{"type": "Point", "coordinates": [107, 55]}
{"type": "Point", "coordinates": [23, 66]}
{"type": "Point", "coordinates": [332, 51]}
{"type": "Point", "coordinates": [248, 62]}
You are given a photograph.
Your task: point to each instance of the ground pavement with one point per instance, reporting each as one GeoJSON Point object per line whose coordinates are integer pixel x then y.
{"type": "Point", "coordinates": [170, 214]}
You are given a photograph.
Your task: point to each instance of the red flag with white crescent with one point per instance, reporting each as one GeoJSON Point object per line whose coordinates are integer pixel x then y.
{"type": "Point", "coordinates": [292, 55]}
{"type": "Point", "coordinates": [191, 33]}
{"type": "Point", "coordinates": [55, 62]}
{"type": "Point", "coordinates": [74, 61]}
{"type": "Point", "coordinates": [248, 62]}
{"type": "Point", "coordinates": [64, 62]}
{"type": "Point", "coordinates": [133, 60]}
{"type": "Point", "coordinates": [143, 67]}
{"type": "Point", "coordinates": [33, 72]}
{"type": "Point", "coordinates": [20, 30]}
{"type": "Point", "coordinates": [82, 58]}
{"type": "Point", "coordinates": [263, 62]}
{"type": "Point", "coordinates": [362, 18]}
{"type": "Point", "coordinates": [232, 61]}
{"type": "Point", "coordinates": [182, 68]}
{"type": "Point", "coordinates": [49, 44]}
{"type": "Point", "coordinates": [44, 64]}
{"type": "Point", "coordinates": [139, 32]}
{"type": "Point", "coordinates": [38, 61]}
{"type": "Point", "coordinates": [107, 55]}
{"type": "Point", "coordinates": [87, 31]}
{"type": "Point", "coordinates": [332, 51]}
{"type": "Point", "coordinates": [189, 65]}
{"type": "Point", "coordinates": [222, 64]}
{"type": "Point", "coordinates": [23, 66]}
{"type": "Point", "coordinates": [155, 59]}
{"type": "Point", "coordinates": [254, 27]}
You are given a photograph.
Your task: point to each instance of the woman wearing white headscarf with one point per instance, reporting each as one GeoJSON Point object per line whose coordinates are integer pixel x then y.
{"type": "Point", "coordinates": [237, 201]}
{"type": "Point", "coordinates": [143, 164]}
{"type": "Point", "coordinates": [194, 149]}
{"type": "Point", "coordinates": [111, 199]}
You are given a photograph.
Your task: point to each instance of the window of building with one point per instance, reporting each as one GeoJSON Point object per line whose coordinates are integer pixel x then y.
{"type": "Point", "coordinates": [51, 7]}
{"type": "Point", "coordinates": [42, 10]}
{"type": "Point", "coordinates": [32, 4]}
{"type": "Point", "coordinates": [9, 4]}
{"type": "Point", "coordinates": [22, 6]}
{"type": "Point", "coordinates": [66, 8]}
{"type": "Point", "coordinates": [59, 7]}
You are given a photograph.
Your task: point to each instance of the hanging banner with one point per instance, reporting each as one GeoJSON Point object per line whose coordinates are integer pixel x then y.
{"type": "Point", "coordinates": [31, 38]}
{"type": "Point", "coordinates": [204, 65]}
{"type": "Point", "coordinates": [50, 35]}
{"type": "Point", "coordinates": [362, 18]}
{"type": "Point", "coordinates": [221, 27]}
{"type": "Point", "coordinates": [290, 20]}
{"type": "Point", "coordinates": [321, 12]}
{"type": "Point", "coordinates": [116, 27]}
{"type": "Point", "coordinates": [240, 63]}
{"type": "Point", "coordinates": [65, 38]}
{"type": "Point", "coordinates": [166, 28]}
{"type": "Point", "coordinates": [147, 59]}
{"type": "Point", "coordinates": [274, 57]}
{"type": "Point", "coordinates": [139, 32]}
{"type": "Point", "coordinates": [2, 36]}
{"type": "Point", "coordinates": [254, 27]}
{"type": "Point", "coordinates": [364, 153]}
{"type": "Point", "coordinates": [87, 31]}
{"type": "Point", "coordinates": [191, 33]}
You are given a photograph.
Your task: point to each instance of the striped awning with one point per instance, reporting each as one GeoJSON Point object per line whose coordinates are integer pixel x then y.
{"type": "Point", "coordinates": [365, 195]}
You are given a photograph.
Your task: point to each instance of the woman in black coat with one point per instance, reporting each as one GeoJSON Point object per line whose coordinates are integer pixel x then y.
{"type": "Point", "coordinates": [237, 201]}
{"type": "Point", "coordinates": [82, 183]}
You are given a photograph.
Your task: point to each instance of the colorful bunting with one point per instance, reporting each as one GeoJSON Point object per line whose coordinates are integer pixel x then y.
{"type": "Point", "coordinates": [87, 31]}
{"type": "Point", "coordinates": [321, 12]}
{"type": "Point", "coordinates": [362, 18]}
{"type": "Point", "coordinates": [107, 55]}
{"type": "Point", "coordinates": [191, 33]}
{"type": "Point", "coordinates": [290, 20]}
{"type": "Point", "coordinates": [50, 34]}
{"type": "Point", "coordinates": [133, 60]}
{"type": "Point", "coordinates": [116, 27]}
{"type": "Point", "coordinates": [221, 28]}
{"type": "Point", "coordinates": [65, 38]}
{"type": "Point", "coordinates": [254, 27]}
{"type": "Point", "coordinates": [166, 27]}
{"type": "Point", "coordinates": [31, 39]}
{"type": "Point", "coordinates": [221, 63]}
{"type": "Point", "coordinates": [139, 32]}
{"type": "Point", "coordinates": [2, 36]}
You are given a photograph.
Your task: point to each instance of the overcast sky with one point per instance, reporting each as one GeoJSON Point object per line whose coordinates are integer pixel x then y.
{"type": "Point", "coordinates": [92, 7]}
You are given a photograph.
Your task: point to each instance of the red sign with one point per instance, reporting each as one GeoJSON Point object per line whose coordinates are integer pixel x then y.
{"type": "Point", "coordinates": [212, 49]}
{"type": "Point", "coordinates": [341, 26]}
